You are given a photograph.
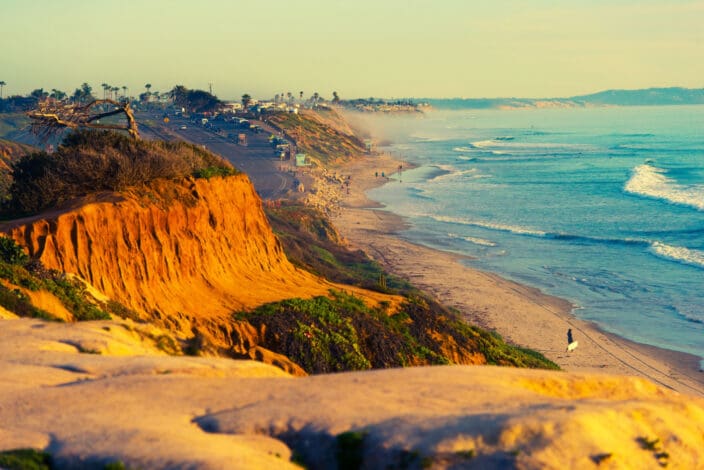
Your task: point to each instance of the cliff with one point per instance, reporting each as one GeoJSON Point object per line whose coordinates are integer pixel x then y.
{"type": "Point", "coordinates": [184, 255]}
{"type": "Point", "coordinates": [324, 135]}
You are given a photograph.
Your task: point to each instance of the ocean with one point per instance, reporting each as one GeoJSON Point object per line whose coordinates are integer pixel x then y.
{"type": "Point", "coordinates": [600, 206]}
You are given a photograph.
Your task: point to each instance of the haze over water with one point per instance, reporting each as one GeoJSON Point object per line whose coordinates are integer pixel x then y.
{"type": "Point", "coordinates": [601, 206]}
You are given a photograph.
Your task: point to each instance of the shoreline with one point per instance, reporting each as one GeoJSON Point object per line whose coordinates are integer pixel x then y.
{"type": "Point", "coordinates": [522, 315]}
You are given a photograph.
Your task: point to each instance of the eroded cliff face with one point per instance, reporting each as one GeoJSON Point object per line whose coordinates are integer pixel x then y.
{"type": "Point", "coordinates": [197, 249]}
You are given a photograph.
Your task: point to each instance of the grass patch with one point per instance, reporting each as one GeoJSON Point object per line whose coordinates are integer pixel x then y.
{"type": "Point", "coordinates": [25, 459]}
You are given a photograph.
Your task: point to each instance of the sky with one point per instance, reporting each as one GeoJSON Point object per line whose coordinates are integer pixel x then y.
{"type": "Point", "coordinates": [359, 48]}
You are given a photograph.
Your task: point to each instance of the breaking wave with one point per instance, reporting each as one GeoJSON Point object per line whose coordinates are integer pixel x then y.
{"type": "Point", "coordinates": [679, 254]}
{"type": "Point", "coordinates": [651, 181]}
{"type": "Point", "coordinates": [474, 240]}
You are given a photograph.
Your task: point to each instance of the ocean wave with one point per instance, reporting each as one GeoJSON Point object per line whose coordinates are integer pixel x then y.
{"type": "Point", "coordinates": [679, 254]}
{"type": "Point", "coordinates": [651, 181]}
{"type": "Point", "coordinates": [474, 240]}
{"type": "Point", "coordinates": [527, 146]}
{"type": "Point", "coordinates": [532, 232]}
{"type": "Point", "coordinates": [450, 172]}
{"type": "Point", "coordinates": [489, 225]}
{"type": "Point", "coordinates": [463, 149]}
{"type": "Point", "coordinates": [467, 159]}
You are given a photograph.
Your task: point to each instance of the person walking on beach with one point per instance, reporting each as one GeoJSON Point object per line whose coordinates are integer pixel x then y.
{"type": "Point", "coordinates": [571, 343]}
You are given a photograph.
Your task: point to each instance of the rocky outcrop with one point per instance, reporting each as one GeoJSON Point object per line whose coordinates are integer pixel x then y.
{"type": "Point", "coordinates": [205, 413]}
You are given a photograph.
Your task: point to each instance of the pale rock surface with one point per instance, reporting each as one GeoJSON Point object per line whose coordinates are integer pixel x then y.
{"type": "Point", "coordinates": [149, 410]}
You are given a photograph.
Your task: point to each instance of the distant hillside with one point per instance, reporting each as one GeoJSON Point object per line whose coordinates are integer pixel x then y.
{"type": "Point", "coordinates": [323, 134]}
{"type": "Point", "coordinates": [648, 97]}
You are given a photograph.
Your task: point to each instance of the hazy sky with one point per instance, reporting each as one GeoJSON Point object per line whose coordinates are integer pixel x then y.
{"type": "Point", "coordinates": [360, 48]}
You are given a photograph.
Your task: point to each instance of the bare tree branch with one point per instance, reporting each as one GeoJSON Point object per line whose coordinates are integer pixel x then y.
{"type": "Point", "coordinates": [52, 116]}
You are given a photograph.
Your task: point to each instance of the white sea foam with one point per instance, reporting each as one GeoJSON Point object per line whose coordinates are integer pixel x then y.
{"type": "Point", "coordinates": [474, 240]}
{"type": "Point", "coordinates": [651, 181]}
{"type": "Point", "coordinates": [530, 146]}
{"type": "Point", "coordinates": [679, 254]}
{"type": "Point", "coordinates": [481, 144]}
{"type": "Point", "coordinates": [463, 149]}
{"type": "Point", "coordinates": [489, 225]}
{"type": "Point", "coordinates": [451, 172]}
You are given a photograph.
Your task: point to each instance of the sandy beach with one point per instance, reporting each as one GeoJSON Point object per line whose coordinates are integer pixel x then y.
{"type": "Point", "coordinates": [522, 315]}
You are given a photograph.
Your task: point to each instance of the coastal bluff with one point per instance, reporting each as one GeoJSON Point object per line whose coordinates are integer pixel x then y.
{"type": "Point", "coordinates": [182, 255]}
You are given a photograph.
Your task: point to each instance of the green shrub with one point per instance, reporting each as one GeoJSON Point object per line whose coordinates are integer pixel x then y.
{"type": "Point", "coordinates": [19, 304]}
{"type": "Point", "coordinates": [11, 252]}
{"type": "Point", "coordinates": [25, 459]}
{"type": "Point", "coordinates": [212, 171]}
{"type": "Point", "coordinates": [92, 161]}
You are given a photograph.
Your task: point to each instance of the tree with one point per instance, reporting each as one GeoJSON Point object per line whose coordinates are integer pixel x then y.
{"type": "Point", "coordinates": [316, 97]}
{"type": "Point", "coordinates": [51, 116]}
{"type": "Point", "coordinates": [289, 95]}
{"type": "Point", "coordinates": [39, 94]}
{"type": "Point", "coordinates": [148, 86]}
{"type": "Point", "coordinates": [57, 94]}
{"type": "Point", "coordinates": [2, 84]}
{"type": "Point", "coordinates": [124, 91]}
{"type": "Point", "coordinates": [105, 89]}
{"type": "Point", "coordinates": [300, 95]}
{"type": "Point", "coordinates": [83, 94]}
{"type": "Point", "coordinates": [335, 97]}
{"type": "Point", "coordinates": [178, 94]}
{"type": "Point", "coordinates": [246, 101]}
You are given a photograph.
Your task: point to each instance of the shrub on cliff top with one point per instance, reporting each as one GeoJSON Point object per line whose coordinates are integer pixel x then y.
{"type": "Point", "coordinates": [91, 161]}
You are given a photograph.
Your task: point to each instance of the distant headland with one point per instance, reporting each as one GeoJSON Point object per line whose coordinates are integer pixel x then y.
{"type": "Point", "coordinates": [644, 97]}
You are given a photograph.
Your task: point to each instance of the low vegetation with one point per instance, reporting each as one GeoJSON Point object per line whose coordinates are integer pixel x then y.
{"type": "Point", "coordinates": [93, 161]}
{"type": "Point", "coordinates": [342, 333]}
{"type": "Point", "coordinates": [25, 459]}
{"type": "Point", "coordinates": [311, 242]}
{"type": "Point", "coordinates": [20, 275]}
{"type": "Point", "coordinates": [317, 136]}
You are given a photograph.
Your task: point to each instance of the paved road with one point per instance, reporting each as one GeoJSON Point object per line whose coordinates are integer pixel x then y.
{"type": "Point", "coordinates": [257, 159]}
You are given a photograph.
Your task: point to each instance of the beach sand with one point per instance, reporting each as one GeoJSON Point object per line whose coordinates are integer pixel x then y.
{"type": "Point", "coordinates": [523, 315]}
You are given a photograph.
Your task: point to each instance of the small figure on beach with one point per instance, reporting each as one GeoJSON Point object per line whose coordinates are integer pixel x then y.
{"type": "Point", "coordinates": [571, 343]}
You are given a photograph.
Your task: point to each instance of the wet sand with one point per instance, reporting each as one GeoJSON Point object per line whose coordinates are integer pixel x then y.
{"type": "Point", "coordinates": [523, 315]}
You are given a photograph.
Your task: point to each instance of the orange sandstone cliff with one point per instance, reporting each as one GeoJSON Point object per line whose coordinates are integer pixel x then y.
{"type": "Point", "coordinates": [181, 254]}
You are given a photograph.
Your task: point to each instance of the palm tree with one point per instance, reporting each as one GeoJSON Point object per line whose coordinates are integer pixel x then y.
{"type": "Point", "coordinates": [148, 87]}
{"type": "Point", "coordinates": [2, 84]}
{"type": "Point", "coordinates": [289, 95]}
{"type": "Point", "coordinates": [316, 97]}
{"type": "Point", "coordinates": [335, 97]}
{"type": "Point", "coordinates": [246, 100]}
{"type": "Point", "coordinates": [124, 91]}
{"type": "Point", "coordinates": [105, 89]}
{"type": "Point", "coordinates": [300, 95]}
{"type": "Point", "coordinates": [115, 89]}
